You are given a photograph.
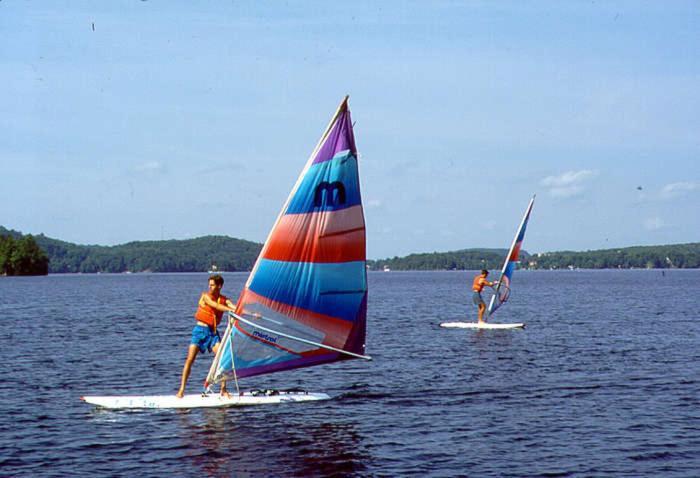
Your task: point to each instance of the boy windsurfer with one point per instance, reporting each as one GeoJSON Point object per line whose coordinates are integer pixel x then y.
{"type": "Point", "coordinates": [211, 307]}
{"type": "Point", "coordinates": [477, 286]}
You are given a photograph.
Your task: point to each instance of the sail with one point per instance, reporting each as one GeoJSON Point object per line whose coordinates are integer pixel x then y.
{"type": "Point", "coordinates": [502, 291]}
{"type": "Point", "coordinates": [305, 301]}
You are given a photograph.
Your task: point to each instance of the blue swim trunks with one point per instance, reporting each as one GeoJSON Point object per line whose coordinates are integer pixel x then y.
{"type": "Point", "coordinates": [204, 338]}
{"type": "Point", "coordinates": [477, 299]}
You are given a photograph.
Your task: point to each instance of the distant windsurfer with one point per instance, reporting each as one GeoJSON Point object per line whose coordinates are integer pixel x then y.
{"type": "Point", "coordinates": [211, 307]}
{"type": "Point", "coordinates": [477, 286]}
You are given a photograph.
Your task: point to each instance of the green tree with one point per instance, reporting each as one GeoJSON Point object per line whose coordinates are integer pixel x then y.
{"type": "Point", "coordinates": [22, 257]}
{"type": "Point", "coordinates": [28, 259]}
{"type": "Point", "coordinates": [7, 246]}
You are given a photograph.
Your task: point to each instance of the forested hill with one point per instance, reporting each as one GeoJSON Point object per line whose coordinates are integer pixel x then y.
{"type": "Point", "coordinates": [191, 255]}
{"type": "Point", "coordinates": [229, 254]}
{"type": "Point", "coordinates": [681, 256]}
{"type": "Point", "coordinates": [685, 256]}
{"type": "Point", "coordinates": [464, 259]}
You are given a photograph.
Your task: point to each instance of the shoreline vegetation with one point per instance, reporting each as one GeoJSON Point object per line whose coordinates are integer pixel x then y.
{"type": "Point", "coordinates": [40, 255]}
{"type": "Point", "coordinates": [673, 256]}
{"type": "Point", "coordinates": [220, 253]}
{"type": "Point", "coordinates": [22, 257]}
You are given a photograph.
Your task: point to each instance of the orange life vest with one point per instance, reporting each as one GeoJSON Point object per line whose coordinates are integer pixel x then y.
{"type": "Point", "coordinates": [208, 314]}
{"type": "Point", "coordinates": [479, 283]}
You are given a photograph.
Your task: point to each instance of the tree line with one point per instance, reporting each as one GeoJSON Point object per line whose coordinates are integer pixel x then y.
{"type": "Point", "coordinates": [22, 257]}
{"type": "Point", "coordinates": [682, 256]}
{"type": "Point", "coordinates": [465, 259]}
{"type": "Point", "coordinates": [191, 255]}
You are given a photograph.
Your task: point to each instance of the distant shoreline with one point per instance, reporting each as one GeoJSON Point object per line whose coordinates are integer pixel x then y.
{"type": "Point", "coordinates": [378, 272]}
{"type": "Point", "coordinates": [223, 253]}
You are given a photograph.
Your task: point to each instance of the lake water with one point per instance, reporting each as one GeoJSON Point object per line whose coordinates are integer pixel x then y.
{"type": "Point", "coordinates": [604, 381]}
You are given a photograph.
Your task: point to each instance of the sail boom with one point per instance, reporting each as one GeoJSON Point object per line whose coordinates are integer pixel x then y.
{"type": "Point", "coordinates": [298, 339]}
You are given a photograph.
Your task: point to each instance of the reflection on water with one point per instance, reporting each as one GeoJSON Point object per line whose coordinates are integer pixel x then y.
{"type": "Point", "coordinates": [328, 449]}
{"type": "Point", "coordinates": [209, 441]}
{"type": "Point", "coordinates": [242, 441]}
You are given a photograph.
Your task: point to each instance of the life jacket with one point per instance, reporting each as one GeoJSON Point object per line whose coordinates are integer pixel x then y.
{"type": "Point", "coordinates": [479, 283]}
{"type": "Point", "coordinates": [207, 314]}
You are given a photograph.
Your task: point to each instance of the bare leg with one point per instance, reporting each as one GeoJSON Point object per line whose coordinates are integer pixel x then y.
{"type": "Point", "coordinates": [191, 355]}
{"type": "Point", "coordinates": [482, 308]}
{"type": "Point", "coordinates": [224, 393]}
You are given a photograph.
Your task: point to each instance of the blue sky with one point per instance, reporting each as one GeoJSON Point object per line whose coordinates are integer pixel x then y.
{"type": "Point", "coordinates": [142, 120]}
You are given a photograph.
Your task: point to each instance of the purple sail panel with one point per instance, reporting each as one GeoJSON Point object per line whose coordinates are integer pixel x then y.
{"type": "Point", "coordinates": [340, 138]}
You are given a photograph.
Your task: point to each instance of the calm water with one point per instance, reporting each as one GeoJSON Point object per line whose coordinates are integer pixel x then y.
{"type": "Point", "coordinates": [604, 381]}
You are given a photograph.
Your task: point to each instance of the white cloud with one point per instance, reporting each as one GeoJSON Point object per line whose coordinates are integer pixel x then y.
{"type": "Point", "coordinates": [568, 184]}
{"type": "Point", "coordinates": [654, 223]}
{"type": "Point", "coordinates": [679, 189]}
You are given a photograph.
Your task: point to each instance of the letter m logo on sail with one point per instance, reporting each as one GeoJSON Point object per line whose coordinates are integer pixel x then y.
{"type": "Point", "coordinates": [328, 186]}
{"type": "Point", "coordinates": [334, 194]}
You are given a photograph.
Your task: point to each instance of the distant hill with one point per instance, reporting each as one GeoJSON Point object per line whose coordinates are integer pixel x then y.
{"type": "Point", "coordinates": [464, 259]}
{"type": "Point", "coordinates": [191, 255]}
{"type": "Point", "coordinates": [682, 256]}
{"type": "Point", "coordinates": [229, 254]}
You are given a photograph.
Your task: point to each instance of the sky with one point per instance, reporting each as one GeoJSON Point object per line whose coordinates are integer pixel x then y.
{"type": "Point", "coordinates": [145, 120]}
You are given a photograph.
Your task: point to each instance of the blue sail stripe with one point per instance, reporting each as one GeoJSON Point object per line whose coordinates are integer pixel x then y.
{"type": "Point", "coordinates": [509, 269]}
{"type": "Point", "coordinates": [328, 186]}
{"type": "Point", "coordinates": [334, 289]}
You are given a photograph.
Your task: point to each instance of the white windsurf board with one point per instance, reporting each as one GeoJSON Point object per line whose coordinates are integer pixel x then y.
{"type": "Point", "coordinates": [476, 325]}
{"type": "Point", "coordinates": [201, 401]}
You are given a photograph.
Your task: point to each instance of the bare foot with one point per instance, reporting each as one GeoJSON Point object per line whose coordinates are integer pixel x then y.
{"type": "Point", "coordinates": [225, 394]}
{"type": "Point", "coordinates": [180, 393]}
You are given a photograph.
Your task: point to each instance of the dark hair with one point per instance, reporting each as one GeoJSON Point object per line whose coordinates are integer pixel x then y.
{"type": "Point", "coordinates": [484, 271]}
{"type": "Point", "coordinates": [218, 280]}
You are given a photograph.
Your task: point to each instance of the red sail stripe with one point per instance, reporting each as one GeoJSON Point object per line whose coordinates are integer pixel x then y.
{"type": "Point", "coordinates": [321, 237]}
{"type": "Point", "coordinates": [516, 252]}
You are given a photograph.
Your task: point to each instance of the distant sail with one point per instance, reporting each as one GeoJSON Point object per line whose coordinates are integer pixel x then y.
{"type": "Point", "coordinates": [502, 291]}
{"type": "Point", "coordinates": [305, 302]}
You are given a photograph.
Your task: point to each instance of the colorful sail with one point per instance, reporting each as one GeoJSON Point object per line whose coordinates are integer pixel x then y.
{"type": "Point", "coordinates": [305, 301]}
{"type": "Point", "coordinates": [502, 291]}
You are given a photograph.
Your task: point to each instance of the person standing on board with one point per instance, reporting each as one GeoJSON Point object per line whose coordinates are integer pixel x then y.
{"type": "Point", "coordinates": [211, 307]}
{"type": "Point", "coordinates": [477, 286]}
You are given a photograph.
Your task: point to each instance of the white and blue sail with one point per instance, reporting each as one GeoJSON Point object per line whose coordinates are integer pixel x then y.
{"type": "Point", "coordinates": [502, 290]}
